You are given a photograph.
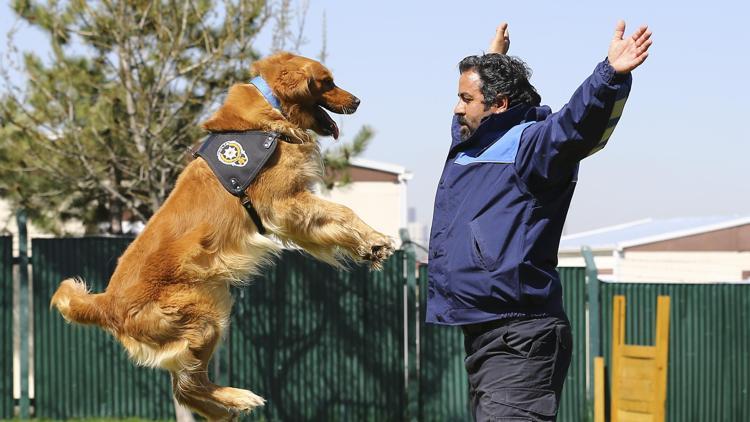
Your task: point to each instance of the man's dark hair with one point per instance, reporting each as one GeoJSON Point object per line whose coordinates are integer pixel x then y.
{"type": "Point", "coordinates": [502, 75]}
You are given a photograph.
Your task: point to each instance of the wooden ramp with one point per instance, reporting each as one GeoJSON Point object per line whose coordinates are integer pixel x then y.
{"type": "Point", "coordinates": [639, 373]}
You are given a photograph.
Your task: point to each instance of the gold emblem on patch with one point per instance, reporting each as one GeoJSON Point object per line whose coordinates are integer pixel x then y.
{"type": "Point", "coordinates": [231, 153]}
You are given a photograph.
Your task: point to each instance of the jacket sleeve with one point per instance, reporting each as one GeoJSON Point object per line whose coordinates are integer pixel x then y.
{"type": "Point", "coordinates": [551, 149]}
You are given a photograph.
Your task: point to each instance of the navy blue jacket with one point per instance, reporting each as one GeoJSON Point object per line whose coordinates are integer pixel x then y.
{"type": "Point", "coordinates": [502, 201]}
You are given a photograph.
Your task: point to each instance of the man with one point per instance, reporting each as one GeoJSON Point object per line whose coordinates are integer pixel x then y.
{"type": "Point", "coordinates": [499, 213]}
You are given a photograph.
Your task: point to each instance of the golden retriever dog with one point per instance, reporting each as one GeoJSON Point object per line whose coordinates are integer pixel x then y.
{"type": "Point", "coordinates": [168, 301]}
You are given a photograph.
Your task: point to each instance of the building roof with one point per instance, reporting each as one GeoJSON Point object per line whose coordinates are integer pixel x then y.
{"type": "Point", "coordinates": [380, 166]}
{"type": "Point", "coordinates": [646, 231]}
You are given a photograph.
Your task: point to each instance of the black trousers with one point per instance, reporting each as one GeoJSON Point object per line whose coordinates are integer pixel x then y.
{"type": "Point", "coordinates": [517, 367]}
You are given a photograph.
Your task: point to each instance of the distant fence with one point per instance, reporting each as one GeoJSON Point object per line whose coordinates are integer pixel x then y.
{"type": "Point", "coordinates": [324, 344]}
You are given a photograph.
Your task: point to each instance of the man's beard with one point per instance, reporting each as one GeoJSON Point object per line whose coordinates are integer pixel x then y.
{"type": "Point", "coordinates": [465, 130]}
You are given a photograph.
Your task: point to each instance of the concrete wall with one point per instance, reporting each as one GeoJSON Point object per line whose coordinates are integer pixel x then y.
{"type": "Point", "coordinates": [382, 205]}
{"type": "Point", "coordinates": [683, 267]}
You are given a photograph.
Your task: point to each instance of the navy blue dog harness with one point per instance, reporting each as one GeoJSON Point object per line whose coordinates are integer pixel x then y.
{"type": "Point", "coordinates": [236, 158]}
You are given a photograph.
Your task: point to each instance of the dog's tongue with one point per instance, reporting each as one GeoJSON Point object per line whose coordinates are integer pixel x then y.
{"type": "Point", "coordinates": [332, 126]}
{"type": "Point", "coordinates": [335, 130]}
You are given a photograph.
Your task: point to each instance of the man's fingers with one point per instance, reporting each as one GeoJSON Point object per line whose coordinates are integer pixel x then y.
{"type": "Point", "coordinates": [640, 59]}
{"type": "Point", "coordinates": [639, 32]}
{"type": "Point", "coordinates": [644, 48]}
{"type": "Point", "coordinates": [643, 38]}
{"type": "Point", "coordinates": [501, 29]}
{"type": "Point", "coordinates": [501, 42]}
{"type": "Point", "coordinates": [619, 29]}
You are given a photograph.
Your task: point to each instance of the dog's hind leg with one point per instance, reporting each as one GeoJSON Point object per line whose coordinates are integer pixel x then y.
{"type": "Point", "coordinates": [193, 388]}
{"type": "Point", "coordinates": [207, 409]}
{"type": "Point", "coordinates": [196, 391]}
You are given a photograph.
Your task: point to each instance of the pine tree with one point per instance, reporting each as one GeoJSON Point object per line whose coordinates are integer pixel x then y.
{"type": "Point", "coordinates": [105, 126]}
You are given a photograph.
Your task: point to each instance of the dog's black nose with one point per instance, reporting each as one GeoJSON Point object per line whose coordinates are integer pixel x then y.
{"type": "Point", "coordinates": [355, 102]}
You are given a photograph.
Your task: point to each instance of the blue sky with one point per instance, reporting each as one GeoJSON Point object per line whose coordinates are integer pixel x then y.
{"type": "Point", "coordinates": [682, 147]}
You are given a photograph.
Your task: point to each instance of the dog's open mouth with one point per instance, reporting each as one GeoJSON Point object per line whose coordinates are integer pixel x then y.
{"type": "Point", "coordinates": [326, 124]}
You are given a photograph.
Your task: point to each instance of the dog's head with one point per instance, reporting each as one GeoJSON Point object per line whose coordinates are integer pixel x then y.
{"type": "Point", "coordinates": [304, 88]}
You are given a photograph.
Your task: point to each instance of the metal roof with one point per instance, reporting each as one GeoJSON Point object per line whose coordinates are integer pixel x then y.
{"type": "Point", "coordinates": [379, 166]}
{"type": "Point", "coordinates": [648, 231]}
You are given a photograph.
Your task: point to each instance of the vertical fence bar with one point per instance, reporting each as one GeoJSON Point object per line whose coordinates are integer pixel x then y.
{"type": "Point", "coordinates": [411, 331]}
{"type": "Point", "coordinates": [6, 327]}
{"type": "Point", "coordinates": [23, 314]}
{"type": "Point", "coordinates": [595, 349]}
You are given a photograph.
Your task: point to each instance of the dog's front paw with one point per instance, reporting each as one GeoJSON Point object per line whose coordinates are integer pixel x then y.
{"type": "Point", "coordinates": [377, 250]}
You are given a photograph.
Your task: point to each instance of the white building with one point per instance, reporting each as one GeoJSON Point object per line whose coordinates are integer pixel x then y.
{"type": "Point", "coordinates": [377, 194]}
{"type": "Point", "coordinates": [700, 249]}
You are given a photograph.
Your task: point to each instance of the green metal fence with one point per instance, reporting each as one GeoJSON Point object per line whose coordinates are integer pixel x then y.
{"type": "Point", "coordinates": [573, 406]}
{"type": "Point", "coordinates": [321, 344]}
{"type": "Point", "coordinates": [443, 386]}
{"type": "Point", "coordinates": [316, 342]}
{"type": "Point", "coordinates": [82, 371]}
{"type": "Point", "coordinates": [326, 344]}
{"type": "Point", "coordinates": [708, 375]}
{"type": "Point", "coordinates": [6, 327]}
{"type": "Point", "coordinates": [443, 382]}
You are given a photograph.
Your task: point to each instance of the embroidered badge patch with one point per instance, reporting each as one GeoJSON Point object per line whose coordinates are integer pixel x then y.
{"type": "Point", "coordinates": [231, 153]}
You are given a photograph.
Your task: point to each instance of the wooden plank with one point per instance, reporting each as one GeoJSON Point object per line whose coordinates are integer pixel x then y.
{"type": "Point", "coordinates": [638, 351]}
{"type": "Point", "coordinates": [636, 406]}
{"type": "Point", "coordinates": [637, 389]}
{"type": "Point", "coordinates": [662, 355]}
{"type": "Point", "coordinates": [637, 368]}
{"type": "Point", "coordinates": [618, 339]}
{"type": "Point", "coordinates": [598, 389]}
{"type": "Point", "coordinates": [624, 416]}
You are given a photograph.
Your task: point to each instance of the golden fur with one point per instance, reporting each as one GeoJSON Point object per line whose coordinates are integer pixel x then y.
{"type": "Point", "coordinates": [168, 301]}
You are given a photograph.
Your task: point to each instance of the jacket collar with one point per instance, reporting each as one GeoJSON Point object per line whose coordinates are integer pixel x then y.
{"type": "Point", "coordinates": [495, 125]}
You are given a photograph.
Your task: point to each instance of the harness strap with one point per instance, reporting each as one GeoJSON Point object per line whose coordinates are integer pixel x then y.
{"type": "Point", "coordinates": [253, 213]}
{"type": "Point", "coordinates": [236, 158]}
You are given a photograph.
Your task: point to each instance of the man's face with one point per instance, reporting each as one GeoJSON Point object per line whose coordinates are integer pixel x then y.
{"type": "Point", "coordinates": [471, 109]}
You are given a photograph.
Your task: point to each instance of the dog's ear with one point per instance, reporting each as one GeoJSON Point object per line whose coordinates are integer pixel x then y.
{"type": "Point", "coordinates": [293, 84]}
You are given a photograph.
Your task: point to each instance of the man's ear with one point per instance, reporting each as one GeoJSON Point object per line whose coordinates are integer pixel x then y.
{"type": "Point", "coordinates": [502, 103]}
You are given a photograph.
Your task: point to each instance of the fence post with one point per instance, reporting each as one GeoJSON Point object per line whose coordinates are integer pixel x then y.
{"type": "Point", "coordinates": [23, 312]}
{"type": "Point", "coordinates": [411, 328]}
{"type": "Point", "coordinates": [594, 328]}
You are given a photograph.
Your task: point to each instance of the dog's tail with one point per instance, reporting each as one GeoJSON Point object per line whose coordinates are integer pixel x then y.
{"type": "Point", "coordinates": [76, 304]}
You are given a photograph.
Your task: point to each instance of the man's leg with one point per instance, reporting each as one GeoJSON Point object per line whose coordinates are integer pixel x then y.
{"type": "Point", "coordinates": [517, 368]}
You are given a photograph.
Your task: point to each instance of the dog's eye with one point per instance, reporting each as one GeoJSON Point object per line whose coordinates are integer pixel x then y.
{"type": "Point", "coordinates": [327, 84]}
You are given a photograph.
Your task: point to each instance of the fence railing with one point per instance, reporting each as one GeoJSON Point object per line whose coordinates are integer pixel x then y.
{"type": "Point", "coordinates": [708, 368]}
{"type": "Point", "coordinates": [325, 344]}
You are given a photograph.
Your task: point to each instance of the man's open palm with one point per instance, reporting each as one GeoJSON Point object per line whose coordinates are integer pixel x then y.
{"type": "Point", "coordinates": [628, 53]}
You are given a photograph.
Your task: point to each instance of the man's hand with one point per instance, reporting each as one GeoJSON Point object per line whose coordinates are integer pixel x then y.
{"type": "Point", "coordinates": [627, 54]}
{"type": "Point", "coordinates": [501, 43]}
